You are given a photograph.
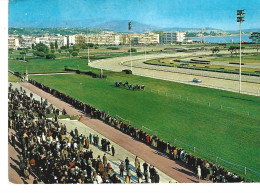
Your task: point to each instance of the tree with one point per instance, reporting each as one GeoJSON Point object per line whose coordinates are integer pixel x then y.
{"type": "Point", "coordinates": [215, 50]}
{"type": "Point", "coordinates": [70, 50]}
{"type": "Point", "coordinates": [42, 48]}
{"type": "Point", "coordinates": [50, 56]}
{"type": "Point", "coordinates": [40, 54]}
{"type": "Point", "coordinates": [56, 44]}
{"type": "Point", "coordinates": [74, 53]}
{"type": "Point", "coordinates": [232, 49]}
{"type": "Point", "coordinates": [255, 37]}
{"type": "Point", "coordinates": [53, 51]}
{"type": "Point", "coordinates": [76, 47]}
{"type": "Point", "coordinates": [59, 50]}
{"type": "Point", "coordinates": [33, 46]}
{"type": "Point", "coordinates": [52, 45]}
{"type": "Point", "coordinates": [132, 50]}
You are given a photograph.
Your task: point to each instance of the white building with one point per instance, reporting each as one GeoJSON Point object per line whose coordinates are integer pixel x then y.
{"type": "Point", "coordinates": [140, 38]}
{"type": "Point", "coordinates": [13, 42]}
{"type": "Point", "coordinates": [173, 37]}
{"type": "Point", "coordinates": [27, 41]}
{"type": "Point", "coordinates": [69, 39]}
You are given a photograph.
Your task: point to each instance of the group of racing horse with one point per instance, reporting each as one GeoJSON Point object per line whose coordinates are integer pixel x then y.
{"type": "Point", "coordinates": [130, 86]}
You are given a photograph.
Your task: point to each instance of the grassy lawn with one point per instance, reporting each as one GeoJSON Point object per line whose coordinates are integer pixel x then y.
{"type": "Point", "coordinates": [224, 58]}
{"type": "Point", "coordinates": [44, 65]}
{"type": "Point", "coordinates": [234, 58]}
{"type": "Point", "coordinates": [228, 134]}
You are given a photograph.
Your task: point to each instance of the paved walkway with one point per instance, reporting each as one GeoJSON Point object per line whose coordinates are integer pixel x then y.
{"type": "Point", "coordinates": [174, 169]}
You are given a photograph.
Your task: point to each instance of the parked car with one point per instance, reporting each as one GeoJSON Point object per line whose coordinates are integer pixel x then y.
{"type": "Point", "coordinates": [196, 80]}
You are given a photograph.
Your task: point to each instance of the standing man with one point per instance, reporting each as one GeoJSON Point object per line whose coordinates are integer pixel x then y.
{"type": "Point", "coordinates": [113, 150]}
{"type": "Point", "coordinates": [97, 140]}
{"type": "Point", "coordinates": [137, 163]}
{"type": "Point", "coordinates": [13, 140]}
{"type": "Point", "coordinates": [145, 165]}
{"type": "Point", "coordinates": [127, 164]}
{"type": "Point", "coordinates": [105, 160]}
{"type": "Point", "coordinates": [121, 167]}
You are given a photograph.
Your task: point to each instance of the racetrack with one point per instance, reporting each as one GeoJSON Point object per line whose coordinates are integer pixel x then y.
{"type": "Point", "coordinates": [139, 68]}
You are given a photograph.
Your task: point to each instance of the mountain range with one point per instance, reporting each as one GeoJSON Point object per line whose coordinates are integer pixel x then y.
{"type": "Point", "coordinates": [117, 26]}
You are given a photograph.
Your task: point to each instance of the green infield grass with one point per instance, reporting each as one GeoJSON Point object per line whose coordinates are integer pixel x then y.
{"type": "Point", "coordinates": [228, 133]}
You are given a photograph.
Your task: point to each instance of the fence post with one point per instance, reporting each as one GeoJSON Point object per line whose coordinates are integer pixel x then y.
{"type": "Point", "coordinates": [129, 122]}
{"type": "Point", "coordinates": [209, 104]}
{"type": "Point", "coordinates": [174, 141]}
{"type": "Point", "coordinates": [220, 106]}
{"type": "Point", "coordinates": [216, 159]}
{"type": "Point", "coordinates": [248, 113]}
{"type": "Point", "coordinates": [194, 149]}
{"type": "Point", "coordinates": [245, 170]}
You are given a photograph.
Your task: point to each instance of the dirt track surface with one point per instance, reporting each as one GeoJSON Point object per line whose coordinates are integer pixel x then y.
{"type": "Point", "coordinates": [139, 68]}
{"type": "Point", "coordinates": [175, 169]}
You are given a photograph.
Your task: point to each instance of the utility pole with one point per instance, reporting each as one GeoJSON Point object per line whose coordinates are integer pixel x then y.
{"type": "Point", "coordinates": [240, 19]}
{"type": "Point", "coordinates": [130, 28]}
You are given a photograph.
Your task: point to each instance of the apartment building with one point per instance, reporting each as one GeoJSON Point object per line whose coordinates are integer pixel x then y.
{"type": "Point", "coordinates": [139, 38]}
{"type": "Point", "coordinates": [27, 41]}
{"type": "Point", "coordinates": [104, 38]}
{"type": "Point", "coordinates": [173, 37]}
{"type": "Point", "coordinates": [13, 42]}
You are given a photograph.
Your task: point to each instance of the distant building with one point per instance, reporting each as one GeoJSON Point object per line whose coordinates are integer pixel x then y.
{"type": "Point", "coordinates": [13, 42]}
{"type": "Point", "coordinates": [140, 38]}
{"type": "Point", "coordinates": [187, 41]}
{"type": "Point", "coordinates": [104, 38]}
{"type": "Point", "coordinates": [69, 39]}
{"type": "Point", "coordinates": [173, 37]}
{"type": "Point", "coordinates": [58, 38]}
{"type": "Point", "coordinates": [27, 41]}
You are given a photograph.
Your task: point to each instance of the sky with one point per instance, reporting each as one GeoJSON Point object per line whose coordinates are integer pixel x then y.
{"type": "Point", "coordinates": [220, 14]}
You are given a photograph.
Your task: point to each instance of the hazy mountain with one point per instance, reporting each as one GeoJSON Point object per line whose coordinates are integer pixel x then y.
{"type": "Point", "coordinates": [122, 26]}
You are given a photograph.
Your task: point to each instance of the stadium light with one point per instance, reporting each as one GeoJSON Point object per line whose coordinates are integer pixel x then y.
{"type": "Point", "coordinates": [130, 28]}
{"type": "Point", "coordinates": [240, 19]}
{"type": "Point", "coordinates": [88, 46]}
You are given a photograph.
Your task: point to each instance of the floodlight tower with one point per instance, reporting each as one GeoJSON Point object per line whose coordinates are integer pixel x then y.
{"type": "Point", "coordinates": [202, 31]}
{"type": "Point", "coordinates": [145, 41]}
{"type": "Point", "coordinates": [130, 28]}
{"type": "Point", "coordinates": [88, 46]}
{"type": "Point", "coordinates": [240, 19]}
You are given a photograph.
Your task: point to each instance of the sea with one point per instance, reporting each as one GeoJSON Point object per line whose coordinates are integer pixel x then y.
{"type": "Point", "coordinates": [224, 39]}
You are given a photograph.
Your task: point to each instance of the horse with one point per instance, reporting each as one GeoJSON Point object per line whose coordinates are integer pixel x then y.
{"type": "Point", "coordinates": [117, 84]}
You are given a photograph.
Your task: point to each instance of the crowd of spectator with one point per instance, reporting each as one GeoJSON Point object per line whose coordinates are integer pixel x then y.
{"type": "Point", "coordinates": [48, 153]}
{"type": "Point", "coordinates": [207, 170]}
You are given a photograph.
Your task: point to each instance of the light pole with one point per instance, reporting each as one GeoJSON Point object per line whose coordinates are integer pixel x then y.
{"type": "Point", "coordinates": [88, 46]}
{"type": "Point", "coordinates": [145, 41]}
{"type": "Point", "coordinates": [240, 19]}
{"type": "Point", "coordinates": [129, 28]}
